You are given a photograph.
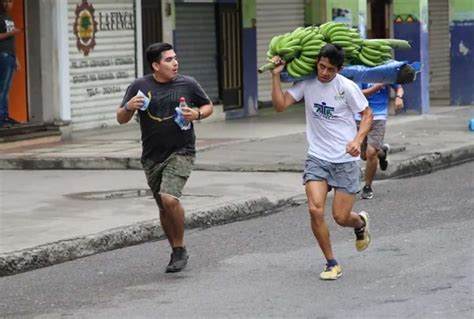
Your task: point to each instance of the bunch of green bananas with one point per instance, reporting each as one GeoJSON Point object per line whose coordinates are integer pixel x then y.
{"type": "Point", "coordinates": [300, 48]}
{"type": "Point", "coordinates": [347, 38]}
{"type": "Point", "coordinates": [371, 52]}
{"type": "Point", "coordinates": [311, 42]}
{"type": "Point", "coordinates": [378, 51]}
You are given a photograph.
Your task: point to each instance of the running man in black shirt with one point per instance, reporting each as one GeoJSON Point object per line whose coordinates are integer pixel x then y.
{"type": "Point", "coordinates": [168, 150]}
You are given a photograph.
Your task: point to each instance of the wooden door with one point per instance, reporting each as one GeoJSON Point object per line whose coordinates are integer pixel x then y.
{"type": "Point", "coordinates": [231, 58]}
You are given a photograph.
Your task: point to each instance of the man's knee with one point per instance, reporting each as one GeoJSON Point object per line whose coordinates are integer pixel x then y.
{"type": "Point", "coordinates": [316, 213]}
{"type": "Point", "coordinates": [340, 219]}
{"type": "Point", "coordinates": [371, 152]}
{"type": "Point", "coordinates": [169, 202]}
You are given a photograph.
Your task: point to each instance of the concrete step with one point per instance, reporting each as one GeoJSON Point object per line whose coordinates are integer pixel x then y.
{"type": "Point", "coordinates": [28, 134]}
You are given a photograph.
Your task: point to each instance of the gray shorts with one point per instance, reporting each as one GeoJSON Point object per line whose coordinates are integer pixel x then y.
{"type": "Point", "coordinates": [342, 176]}
{"type": "Point", "coordinates": [375, 136]}
{"type": "Point", "coordinates": [168, 177]}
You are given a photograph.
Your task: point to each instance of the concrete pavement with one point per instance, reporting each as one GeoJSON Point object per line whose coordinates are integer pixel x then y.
{"type": "Point", "coordinates": [244, 167]}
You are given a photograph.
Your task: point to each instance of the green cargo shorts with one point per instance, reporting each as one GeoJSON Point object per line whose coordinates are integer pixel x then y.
{"type": "Point", "coordinates": [168, 177]}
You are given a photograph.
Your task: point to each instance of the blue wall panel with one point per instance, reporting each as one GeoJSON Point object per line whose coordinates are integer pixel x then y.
{"type": "Point", "coordinates": [462, 63]}
{"type": "Point", "coordinates": [416, 93]}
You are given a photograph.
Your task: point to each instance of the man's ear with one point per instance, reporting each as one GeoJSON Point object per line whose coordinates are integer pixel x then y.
{"type": "Point", "coordinates": [155, 66]}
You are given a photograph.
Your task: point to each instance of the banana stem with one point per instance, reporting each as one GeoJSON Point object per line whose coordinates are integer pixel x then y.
{"type": "Point", "coordinates": [266, 67]}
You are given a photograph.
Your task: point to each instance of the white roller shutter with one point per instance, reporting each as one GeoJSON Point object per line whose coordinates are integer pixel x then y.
{"type": "Point", "coordinates": [98, 79]}
{"type": "Point", "coordinates": [439, 49]}
{"type": "Point", "coordinates": [274, 17]}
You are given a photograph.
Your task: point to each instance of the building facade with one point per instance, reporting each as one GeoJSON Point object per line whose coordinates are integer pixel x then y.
{"type": "Point", "coordinates": [80, 55]}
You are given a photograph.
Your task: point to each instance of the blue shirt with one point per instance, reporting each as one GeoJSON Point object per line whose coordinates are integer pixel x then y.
{"type": "Point", "coordinates": [378, 101]}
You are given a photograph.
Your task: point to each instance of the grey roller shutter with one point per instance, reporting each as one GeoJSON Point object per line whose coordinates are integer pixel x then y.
{"type": "Point", "coordinates": [439, 51]}
{"type": "Point", "coordinates": [196, 44]}
{"type": "Point", "coordinates": [274, 17]}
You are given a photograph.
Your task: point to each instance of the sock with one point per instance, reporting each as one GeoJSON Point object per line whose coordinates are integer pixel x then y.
{"type": "Point", "coordinates": [361, 228]}
{"type": "Point", "coordinates": [178, 249]}
{"type": "Point", "coordinates": [331, 262]}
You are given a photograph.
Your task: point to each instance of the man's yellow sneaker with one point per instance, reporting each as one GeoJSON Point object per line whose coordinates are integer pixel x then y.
{"type": "Point", "coordinates": [331, 273]}
{"type": "Point", "coordinates": [363, 234]}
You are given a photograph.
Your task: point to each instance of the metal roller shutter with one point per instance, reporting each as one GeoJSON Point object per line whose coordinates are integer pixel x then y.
{"type": "Point", "coordinates": [196, 44]}
{"type": "Point", "coordinates": [439, 51]}
{"type": "Point", "coordinates": [274, 17]}
{"type": "Point", "coordinates": [98, 79]}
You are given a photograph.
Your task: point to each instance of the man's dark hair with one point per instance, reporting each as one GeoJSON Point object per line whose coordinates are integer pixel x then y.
{"type": "Point", "coordinates": [333, 53]}
{"type": "Point", "coordinates": [154, 52]}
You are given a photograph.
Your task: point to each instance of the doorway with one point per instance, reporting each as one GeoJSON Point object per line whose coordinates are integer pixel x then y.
{"type": "Point", "coordinates": [379, 19]}
{"type": "Point", "coordinates": [152, 28]}
{"type": "Point", "coordinates": [18, 97]}
{"type": "Point", "coordinates": [230, 58]}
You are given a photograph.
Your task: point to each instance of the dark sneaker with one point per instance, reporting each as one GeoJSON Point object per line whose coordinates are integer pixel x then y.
{"type": "Point", "coordinates": [5, 124]}
{"type": "Point", "coordinates": [383, 158]}
{"type": "Point", "coordinates": [11, 121]}
{"type": "Point", "coordinates": [179, 260]}
{"type": "Point", "coordinates": [367, 192]}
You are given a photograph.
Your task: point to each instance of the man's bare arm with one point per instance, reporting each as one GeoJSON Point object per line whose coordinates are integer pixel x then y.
{"type": "Point", "coordinates": [371, 90]}
{"type": "Point", "coordinates": [125, 113]}
{"type": "Point", "coordinates": [281, 101]}
{"type": "Point", "coordinates": [353, 148]}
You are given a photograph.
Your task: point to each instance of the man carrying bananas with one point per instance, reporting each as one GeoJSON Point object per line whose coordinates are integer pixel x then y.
{"type": "Point", "coordinates": [331, 101]}
{"type": "Point", "coordinates": [373, 148]}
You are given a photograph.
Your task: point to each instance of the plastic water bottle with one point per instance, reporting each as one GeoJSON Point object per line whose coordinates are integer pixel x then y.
{"type": "Point", "coordinates": [179, 119]}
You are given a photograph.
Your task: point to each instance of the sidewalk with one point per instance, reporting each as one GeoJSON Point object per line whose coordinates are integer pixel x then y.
{"type": "Point", "coordinates": [119, 147]}
{"type": "Point", "coordinates": [244, 168]}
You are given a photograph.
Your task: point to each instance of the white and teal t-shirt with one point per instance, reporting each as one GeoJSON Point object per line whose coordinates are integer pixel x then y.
{"type": "Point", "coordinates": [330, 109]}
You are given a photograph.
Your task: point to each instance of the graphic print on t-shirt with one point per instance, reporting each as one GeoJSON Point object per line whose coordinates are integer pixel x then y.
{"type": "Point", "coordinates": [9, 25]}
{"type": "Point", "coordinates": [339, 96]}
{"type": "Point", "coordinates": [323, 110]}
{"type": "Point", "coordinates": [163, 103]}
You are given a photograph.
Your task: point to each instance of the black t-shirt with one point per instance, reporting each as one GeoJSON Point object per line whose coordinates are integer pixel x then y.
{"type": "Point", "coordinates": [161, 136]}
{"type": "Point", "coordinates": [6, 25]}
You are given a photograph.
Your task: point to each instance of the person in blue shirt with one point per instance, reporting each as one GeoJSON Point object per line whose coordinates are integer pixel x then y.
{"type": "Point", "coordinates": [373, 150]}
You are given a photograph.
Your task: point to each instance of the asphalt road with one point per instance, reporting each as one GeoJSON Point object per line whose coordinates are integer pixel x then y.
{"type": "Point", "coordinates": [419, 266]}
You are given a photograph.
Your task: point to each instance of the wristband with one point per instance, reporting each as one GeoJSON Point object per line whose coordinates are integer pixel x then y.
{"type": "Point", "coordinates": [199, 114]}
{"type": "Point", "coordinates": [399, 96]}
{"type": "Point", "coordinates": [127, 109]}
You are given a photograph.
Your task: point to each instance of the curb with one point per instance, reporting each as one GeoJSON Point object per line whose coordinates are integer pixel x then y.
{"type": "Point", "coordinates": [428, 163]}
{"type": "Point", "coordinates": [422, 164]}
{"type": "Point", "coordinates": [66, 250]}
{"type": "Point", "coordinates": [90, 163]}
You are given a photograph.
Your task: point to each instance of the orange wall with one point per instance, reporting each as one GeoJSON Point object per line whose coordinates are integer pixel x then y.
{"type": "Point", "coordinates": [18, 102]}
